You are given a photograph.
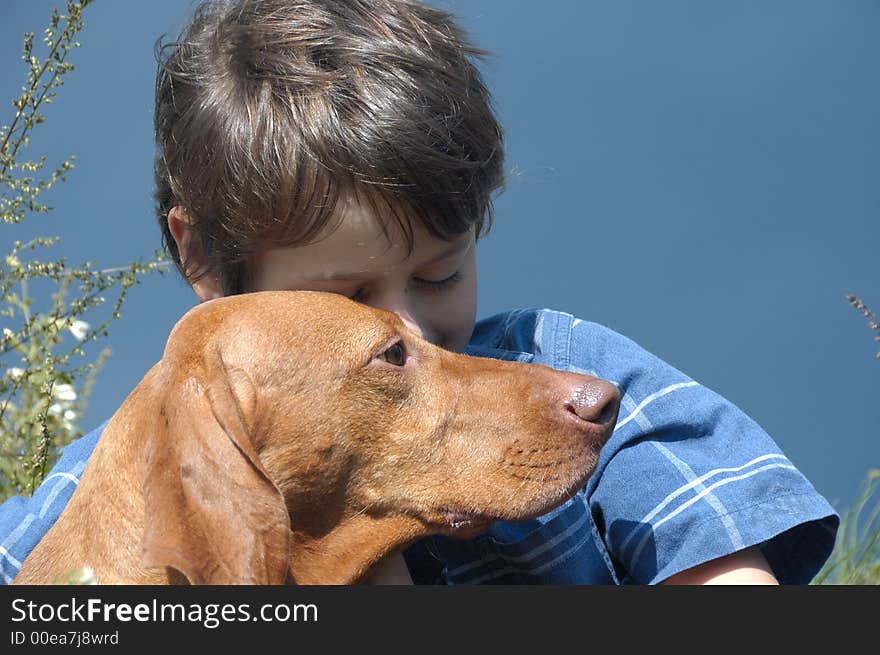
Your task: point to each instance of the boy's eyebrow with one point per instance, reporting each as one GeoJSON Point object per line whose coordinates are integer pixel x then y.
{"type": "Point", "coordinates": [455, 249]}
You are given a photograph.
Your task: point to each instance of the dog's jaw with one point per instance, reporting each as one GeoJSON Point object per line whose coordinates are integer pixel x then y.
{"type": "Point", "coordinates": [349, 552]}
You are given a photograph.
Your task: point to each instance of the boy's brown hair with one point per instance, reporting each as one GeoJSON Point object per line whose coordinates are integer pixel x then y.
{"type": "Point", "coordinates": [268, 110]}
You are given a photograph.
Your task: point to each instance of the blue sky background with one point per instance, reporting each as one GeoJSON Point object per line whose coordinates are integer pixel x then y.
{"type": "Point", "coordinates": [700, 176]}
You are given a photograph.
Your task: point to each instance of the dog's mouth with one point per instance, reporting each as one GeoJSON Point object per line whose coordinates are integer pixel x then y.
{"type": "Point", "coordinates": [458, 519]}
{"type": "Point", "coordinates": [464, 521]}
{"type": "Point", "coordinates": [460, 522]}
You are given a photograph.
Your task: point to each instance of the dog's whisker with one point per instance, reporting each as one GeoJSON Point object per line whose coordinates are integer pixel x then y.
{"type": "Point", "coordinates": [364, 510]}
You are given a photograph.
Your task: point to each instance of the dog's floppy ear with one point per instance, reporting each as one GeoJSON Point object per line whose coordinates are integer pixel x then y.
{"type": "Point", "coordinates": [212, 512]}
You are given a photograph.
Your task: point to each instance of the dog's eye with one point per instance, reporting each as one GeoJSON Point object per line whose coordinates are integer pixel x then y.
{"type": "Point", "coordinates": [395, 355]}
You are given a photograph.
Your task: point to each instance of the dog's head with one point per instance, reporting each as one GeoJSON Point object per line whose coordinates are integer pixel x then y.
{"type": "Point", "coordinates": [307, 435]}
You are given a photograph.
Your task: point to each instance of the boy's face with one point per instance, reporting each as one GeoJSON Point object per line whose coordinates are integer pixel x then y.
{"type": "Point", "coordinates": [433, 289]}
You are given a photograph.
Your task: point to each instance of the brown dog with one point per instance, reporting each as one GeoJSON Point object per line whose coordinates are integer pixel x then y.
{"type": "Point", "coordinates": [300, 437]}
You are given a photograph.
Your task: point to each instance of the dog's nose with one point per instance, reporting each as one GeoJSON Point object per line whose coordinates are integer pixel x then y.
{"type": "Point", "coordinates": [596, 401]}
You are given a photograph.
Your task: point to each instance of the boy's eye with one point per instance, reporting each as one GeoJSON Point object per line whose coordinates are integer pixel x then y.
{"type": "Point", "coordinates": [428, 285]}
{"type": "Point", "coordinates": [438, 285]}
{"type": "Point", "coordinates": [395, 355]}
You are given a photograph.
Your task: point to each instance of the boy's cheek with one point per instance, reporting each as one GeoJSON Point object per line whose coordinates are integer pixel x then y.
{"type": "Point", "coordinates": [458, 316]}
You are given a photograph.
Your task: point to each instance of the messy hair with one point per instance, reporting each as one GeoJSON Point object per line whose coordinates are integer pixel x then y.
{"type": "Point", "coordinates": [268, 111]}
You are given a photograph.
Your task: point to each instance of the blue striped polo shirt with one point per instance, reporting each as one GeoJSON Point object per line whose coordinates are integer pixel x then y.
{"type": "Point", "coordinates": [685, 478]}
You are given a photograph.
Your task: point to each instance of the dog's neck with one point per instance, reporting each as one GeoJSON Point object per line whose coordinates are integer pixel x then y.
{"type": "Point", "coordinates": [347, 553]}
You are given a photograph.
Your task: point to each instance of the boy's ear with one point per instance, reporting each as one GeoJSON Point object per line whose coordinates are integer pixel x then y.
{"type": "Point", "coordinates": [207, 286]}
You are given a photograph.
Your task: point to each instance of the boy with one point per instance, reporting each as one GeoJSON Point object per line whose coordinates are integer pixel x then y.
{"type": "Point", "coordinates": [349, 146]}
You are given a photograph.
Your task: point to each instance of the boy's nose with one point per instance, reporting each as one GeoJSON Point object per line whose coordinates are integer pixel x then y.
{"type": "Point", "coordinates": [403, 312]}
{"type": "Point", "coordinates": [410, 323]}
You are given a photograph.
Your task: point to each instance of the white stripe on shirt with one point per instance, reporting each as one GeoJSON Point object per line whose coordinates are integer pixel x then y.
{"type": "Point", "coordinates": [694, 483]}
{"type": "Point", "coordinates": [652, 398]}
{"type": "Point", "coordinates": [7, 555]}
{"type": "Point", "coordinates": [13, 538]}
{"type": "Point", "coordinates": [66, 478]}
{"type": "Point", "coordinates": [707, 490]}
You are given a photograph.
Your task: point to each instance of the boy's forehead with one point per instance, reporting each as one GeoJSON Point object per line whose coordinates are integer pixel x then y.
{"type": "Point", "coordinates": [355, 244]}
{"type": "Point", "coordinates": [357, 224]}
{"type": "Point", "coordinates": [357, 234]}
{"type": "Point", "coordinates": [349, 256]}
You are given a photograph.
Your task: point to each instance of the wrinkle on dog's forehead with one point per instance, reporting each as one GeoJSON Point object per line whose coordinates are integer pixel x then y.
{"type": "Point", "coordinates": [323, 324]}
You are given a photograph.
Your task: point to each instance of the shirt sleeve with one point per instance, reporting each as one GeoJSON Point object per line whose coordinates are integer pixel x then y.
{"type": "Point", "coordinates": [687, 477]}
{"type": "Point", "coordinates": [24, 521]}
